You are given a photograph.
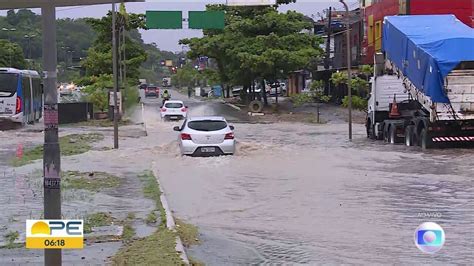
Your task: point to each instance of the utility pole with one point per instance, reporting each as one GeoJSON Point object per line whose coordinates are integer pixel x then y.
{"type": "Point", "coordinates": [119, 47]}
{"type": "Point", "coordinates": [51, 152]}
{"type": "Point", "coordinates": [124, 57]}
{"type": "Point", "coordinates": [115, 74]}
{"type": "Point", "coordinates": [349, 59]}
{"type": "Point", "coordinates": [328, 42]}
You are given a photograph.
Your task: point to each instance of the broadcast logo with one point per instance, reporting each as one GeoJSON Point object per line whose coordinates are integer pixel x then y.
{"type": "Point", "coordinates": [54, 234]}
{"type": "Point", "coordinates": [429, 237]}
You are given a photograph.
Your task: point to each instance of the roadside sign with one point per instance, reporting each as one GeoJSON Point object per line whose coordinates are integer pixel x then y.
{"type": "Point", "coordinates": [251, 2]}
{"type": "Point", "coordinates": [164, 19]}
{"type": "Point", "coordinates": [119, 100]}
{"type": "Point", "coordinates": [206, 19]}
{"type": "Point", "coordinates": [169, 63]}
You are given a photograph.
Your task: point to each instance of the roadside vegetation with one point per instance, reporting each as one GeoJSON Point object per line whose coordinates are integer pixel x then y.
{"type": "Point", "coordinates": [159, 247]}
{"type": "Point", "coordinates": [188, 233]}
{"type": "Point", "coordinates": [96, 220]}
{"type": "Point", "coordinates": [151, 190]}
{"type": "Point", "coordinates": [89, 181]}
{"type": "Point", "coordinates": [70, 145]}
{"type": "Point", "coordinates": [10, 239]}
{"type": "Point", "coordinates": [99, 123]}
{"type": "Point", "coordinates": [156, 249]}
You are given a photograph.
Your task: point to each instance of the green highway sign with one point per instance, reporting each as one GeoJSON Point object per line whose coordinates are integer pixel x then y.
{"type": "Point", "coordinates": [164, 20]}
{"type": "Point", "coordinates": [206, 19]}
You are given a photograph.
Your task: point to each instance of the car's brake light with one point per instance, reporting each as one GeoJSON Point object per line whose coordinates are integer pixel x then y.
{"type": "Point", "coordinates": [163, 109]}
{"type": "Point", "coordinates": [229, 136]}
{"type": "Point", "coordinates": [18, 105]}
{"type": "Point", "coordinates": [183, 109]}
{"type": "Point", "coordinates": [185, 136]}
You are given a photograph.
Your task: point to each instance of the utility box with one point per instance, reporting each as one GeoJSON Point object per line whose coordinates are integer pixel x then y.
{"type": "Point", "coordinates": [197, 91]}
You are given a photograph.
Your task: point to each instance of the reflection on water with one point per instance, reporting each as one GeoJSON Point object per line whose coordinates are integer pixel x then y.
{"type": "Point", "coordinates": [308, 196]}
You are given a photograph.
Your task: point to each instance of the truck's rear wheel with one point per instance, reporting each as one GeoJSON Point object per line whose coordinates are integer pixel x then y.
{"type": "Point", "coordinates": [410, 136]}
{"type": "Point", "coordinates": [370, 130]}
{"type": "Point", "coordinates": [385, 132]}
{"type": "Point", "coordinates": [392, 135]}
{"type": "Point", "coordinates": [425, 140]}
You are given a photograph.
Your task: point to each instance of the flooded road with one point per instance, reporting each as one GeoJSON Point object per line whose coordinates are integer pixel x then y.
{"type": "Point", "coordinates": [302, 194]}
{"type": "Point", "coordinates": [292, 194]}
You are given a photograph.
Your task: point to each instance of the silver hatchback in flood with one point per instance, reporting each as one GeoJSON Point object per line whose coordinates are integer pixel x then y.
{"type": "Point", "coordinates": [206, 136]}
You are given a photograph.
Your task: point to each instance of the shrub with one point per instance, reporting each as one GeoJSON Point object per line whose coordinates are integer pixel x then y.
{"type": "Point", "coordinates": [97, 92]}
{"type": "Point", "coordinates": [357, 103]}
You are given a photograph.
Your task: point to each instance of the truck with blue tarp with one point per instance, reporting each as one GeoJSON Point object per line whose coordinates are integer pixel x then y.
{"type": "Point", "coordinates": [423, 86]}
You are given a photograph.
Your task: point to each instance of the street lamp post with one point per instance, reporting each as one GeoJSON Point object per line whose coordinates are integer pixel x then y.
{"type": "Point", "coordinates": [349, 59]}
{"type": "Point", "coordinates": [29, 37]}
{"type": "Point", "coordinates": [10, 51]}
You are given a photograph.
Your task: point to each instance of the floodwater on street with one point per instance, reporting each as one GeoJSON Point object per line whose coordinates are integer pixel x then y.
{"type": "Point", "coordinates": [293, 193]}
{"type": "Point", "coordinates": [302, 194]}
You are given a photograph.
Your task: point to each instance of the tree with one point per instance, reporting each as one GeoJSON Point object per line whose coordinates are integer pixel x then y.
{"type": "Point", "coordinates": [185, 77]}
{"type": "Point", "coordinates": [99, 59]}
{"type": "Point", "coordinates": [98, 91]}
{"type": "Point", "coordinates": [11, 55]}
{"type": "Point", "coordinates": [358, 85]}
{"type": "Point", "coordinates": [75, 36]}
{"type": "Point", "coordinates": [257, 43]}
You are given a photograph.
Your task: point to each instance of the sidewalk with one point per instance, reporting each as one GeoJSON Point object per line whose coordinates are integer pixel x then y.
{"type": "Point", "coordinates": [285, 111]}
{"type": "Point", "coordinates": [105, 187]}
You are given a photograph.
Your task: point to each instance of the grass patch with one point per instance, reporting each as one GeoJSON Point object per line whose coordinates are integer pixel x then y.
{"type": "Point", "coordinates": [128, 231]}
{"type": "Point", "coordinates": [156, 249]}
{"type": "Point", "coordinates": [151, 218]}
{"type": "Point", "coordinates": [11, 237]}
{"type": "Point", "coordinates": [188, 233]}
{"type": "Point", "coordinates": [195, 262]}
{"type": "Point", "coordinates": [99, 123]}
{"type": "Point", "coordinates": [96, 220]}
{"type": "Point", "coordinates": [151, 190]}
{"type": "Point", "coordinates": [131, 216]}
{"type": "Point", "coordinates": [88, 181]}
{"type": "Point", "coordinates": [70, 145]}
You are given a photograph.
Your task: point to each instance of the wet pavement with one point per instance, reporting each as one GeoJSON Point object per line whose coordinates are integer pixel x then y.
{"type": "Point", "coordinates": [22, 193]}
{"type": "Point", "coordinates": [293, 193]}
{"type": "Point", "coordinates": [302, 194]}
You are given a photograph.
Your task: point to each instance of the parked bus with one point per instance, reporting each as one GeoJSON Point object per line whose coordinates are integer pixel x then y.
{"type": "Point", "coordinates": [21, 96]}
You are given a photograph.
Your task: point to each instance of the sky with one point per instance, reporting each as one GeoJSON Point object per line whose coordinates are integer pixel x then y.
{"type": "Point", "coordinates": [168, 39]}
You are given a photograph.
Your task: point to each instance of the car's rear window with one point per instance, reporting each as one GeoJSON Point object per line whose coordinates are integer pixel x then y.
{"type": "Point", "coordinates": [207, 125]}
{"type": "Point", "coordinates": [173, 105]}
{"type": "Point", "coordinates": [152, 88]}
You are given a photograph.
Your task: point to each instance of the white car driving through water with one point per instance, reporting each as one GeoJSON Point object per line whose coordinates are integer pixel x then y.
{"type": "Point", "coordinates": [206, 136]}
{"type": "Point", "coordinates": [174, 110]}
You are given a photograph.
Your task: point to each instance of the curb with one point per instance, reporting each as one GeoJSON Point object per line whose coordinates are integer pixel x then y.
{"type": "Point", "coordinates": [233, 106]}
{"type": "Point", "coordinates": [170, 223]}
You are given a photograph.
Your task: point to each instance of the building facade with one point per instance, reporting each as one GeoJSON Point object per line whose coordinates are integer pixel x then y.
{"type": "Point", "coordinates": [340, 42]}
{"type": "Point", "coordinates": [374, 12]}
